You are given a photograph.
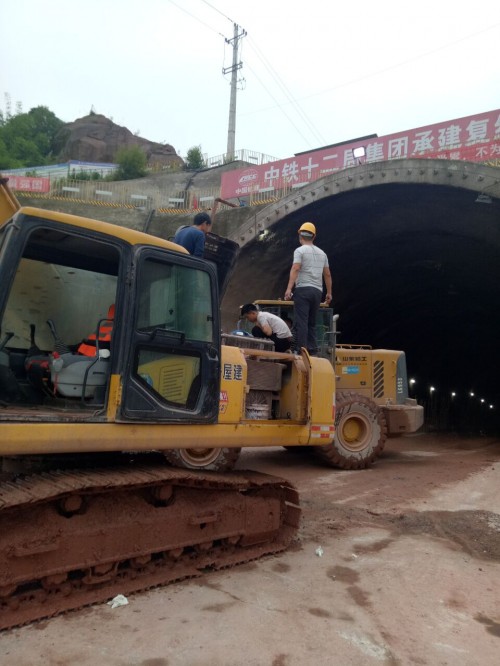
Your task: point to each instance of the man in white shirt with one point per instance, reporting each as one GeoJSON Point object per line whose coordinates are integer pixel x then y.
{"type": "Point", "coordinates": [269, 326]}
{"type": "Point", "coordinates": [309, 268]}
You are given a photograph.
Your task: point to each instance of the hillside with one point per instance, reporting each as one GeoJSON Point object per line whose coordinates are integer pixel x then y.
{"type": "Point", "coordinates": [95, 138]}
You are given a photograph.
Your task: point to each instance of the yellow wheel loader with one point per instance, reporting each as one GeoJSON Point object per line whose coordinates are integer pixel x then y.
{"type": "Point", "coordinates": [371, 399]}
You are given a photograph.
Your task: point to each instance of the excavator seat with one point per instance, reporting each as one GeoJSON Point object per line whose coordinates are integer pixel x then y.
{"type": "Point", "coordinates": [79, 376]}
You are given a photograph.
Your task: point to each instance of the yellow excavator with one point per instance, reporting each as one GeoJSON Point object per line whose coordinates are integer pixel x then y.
{"type": "Point", "coordinates": [111, 365]}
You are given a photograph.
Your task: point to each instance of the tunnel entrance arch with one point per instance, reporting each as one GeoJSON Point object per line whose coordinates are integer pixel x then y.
{"type": "Point", "coordinates": [414, 247]}
{"type": "Point", "coordinates": [480, 179]}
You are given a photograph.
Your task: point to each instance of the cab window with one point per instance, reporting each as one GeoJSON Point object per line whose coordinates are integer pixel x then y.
{"type": "Point", "coordinates": [177, 299]}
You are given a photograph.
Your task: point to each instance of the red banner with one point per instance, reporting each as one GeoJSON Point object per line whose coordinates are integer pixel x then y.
{"type": "Point", "coordinates": [27, 184]}
{"type": "Point", "coordinates": [473, 138]}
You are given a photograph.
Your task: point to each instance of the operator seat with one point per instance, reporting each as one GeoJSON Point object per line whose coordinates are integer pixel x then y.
{"type": "Point", "coordinates": [79, 375]}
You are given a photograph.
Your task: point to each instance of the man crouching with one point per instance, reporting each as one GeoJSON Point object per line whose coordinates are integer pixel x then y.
{"type": "Point", "coordinates": [268, 326]}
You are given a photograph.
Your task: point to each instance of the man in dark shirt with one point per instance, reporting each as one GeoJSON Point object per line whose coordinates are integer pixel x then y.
{"type": "Point", "coordinates": [193, 237]}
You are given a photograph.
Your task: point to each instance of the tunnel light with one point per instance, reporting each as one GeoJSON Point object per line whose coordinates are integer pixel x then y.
{"type": "Point", "coordinates": [492, 407]}
{"type": "Point", "coordinates": [413, 381]}
{"type": "Point", "coordinates": [431, 389]}
{"type": "Point", "coordinates": [482, 399]}
{"type": "Point", "coordinates": [471, 394]}
{"type": "Point", "coordinates": [453, 394]}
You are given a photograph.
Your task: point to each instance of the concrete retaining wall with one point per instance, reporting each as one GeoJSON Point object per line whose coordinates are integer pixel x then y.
{"type": "Point", "coordinates": [226, 223]}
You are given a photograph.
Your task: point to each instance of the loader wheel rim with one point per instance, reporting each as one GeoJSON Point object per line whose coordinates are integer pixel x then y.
{"type": "Point", "coordinates": [199, 457]}
{"type": "Point", "coordinates": [355, 431]}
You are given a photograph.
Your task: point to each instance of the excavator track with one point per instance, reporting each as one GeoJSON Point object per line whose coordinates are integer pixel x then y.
{"type": "Point", "coordinates": [69, 539]}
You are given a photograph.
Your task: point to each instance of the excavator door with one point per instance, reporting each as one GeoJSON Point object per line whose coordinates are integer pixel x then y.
{"type": "Point", "coordinates": [173, 368]}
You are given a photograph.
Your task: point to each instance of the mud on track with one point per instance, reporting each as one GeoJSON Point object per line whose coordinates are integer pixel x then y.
{"type": "Point", "coordinates": [409, 574]}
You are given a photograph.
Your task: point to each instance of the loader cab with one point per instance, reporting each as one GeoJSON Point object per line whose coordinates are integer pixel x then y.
{"type": "Point", "coordinates": [60, 274]}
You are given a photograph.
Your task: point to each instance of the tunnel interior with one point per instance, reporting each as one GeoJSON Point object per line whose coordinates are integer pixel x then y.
{"type": "Point", "coordinates": [415, 267]}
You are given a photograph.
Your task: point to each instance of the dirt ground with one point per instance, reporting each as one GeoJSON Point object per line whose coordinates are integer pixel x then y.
{"type": "Point", "coordinates": [409, 574]}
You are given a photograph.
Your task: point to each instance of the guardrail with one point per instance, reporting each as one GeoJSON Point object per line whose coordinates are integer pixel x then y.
{"type": "Point", "coordinates": [244, 155]}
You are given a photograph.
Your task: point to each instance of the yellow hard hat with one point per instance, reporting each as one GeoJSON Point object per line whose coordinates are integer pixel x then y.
{"type": "Point", "coordinates": [309, 227]}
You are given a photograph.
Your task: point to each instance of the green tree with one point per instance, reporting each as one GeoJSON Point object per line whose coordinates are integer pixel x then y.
{"type": "Point", "coordinates": [6, 161]}
{"type": "Point", "coordinates": [28, 138]}
{"type": "Point", "coordinates": [26, 151]}
{"type": "Point", "coordinates": [46, 126]}
{"type": "Point", "coordinates": [131, 163]}
{"type": "Point", "coordinates": [194, 159]}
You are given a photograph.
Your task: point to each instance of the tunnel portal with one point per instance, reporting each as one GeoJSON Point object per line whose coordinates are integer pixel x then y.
{"type": "Point", "coordinates": [415, 260]}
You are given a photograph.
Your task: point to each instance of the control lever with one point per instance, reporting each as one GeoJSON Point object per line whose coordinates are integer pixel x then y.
{"type": "Point", "coordinates": [7, 337]}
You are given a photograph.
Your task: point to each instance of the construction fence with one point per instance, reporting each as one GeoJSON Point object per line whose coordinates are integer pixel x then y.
{"type": "Point", "coordinates": [59, 185]}
{"type": "Point", "coordinates": [123, 194]}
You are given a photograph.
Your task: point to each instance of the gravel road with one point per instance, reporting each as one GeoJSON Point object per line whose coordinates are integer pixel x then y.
{"type": "Point", "coordinates": [395, 565]}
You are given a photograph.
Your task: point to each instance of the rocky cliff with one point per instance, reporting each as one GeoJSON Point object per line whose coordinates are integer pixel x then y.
{"type": "Point", "coordinates": [96, 138]}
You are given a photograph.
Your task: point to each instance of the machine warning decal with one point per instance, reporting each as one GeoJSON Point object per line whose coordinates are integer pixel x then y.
{"type": "Point", "coordinates": [223, 400]}
{"type": "Point", "coordinates": [350, 370]}
{"type": "Point", "coordinates": [231, 371]}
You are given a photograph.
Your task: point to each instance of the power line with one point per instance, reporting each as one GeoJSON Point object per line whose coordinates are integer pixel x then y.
{"type": "Point", "coordinates": [196, 18]}
{"type": "Point", "coordinates": [218, 10]}
{"type": "Point", "coordinates": [406, 62]}
{"type": "Point", "coordinates": [233, 70]}
{"type": "Point", "coordinates": [383, 71]}
{"type": "Point", "coordinates": [278, 105]}
{"type": "Point", "coordinates": [316, 134]}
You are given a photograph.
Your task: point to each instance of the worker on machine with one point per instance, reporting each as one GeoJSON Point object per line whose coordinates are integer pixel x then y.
{"type": "Point", "coordinates": [305, 285]}
{"type": "Point", "coordinates": [193, 237]}
{"type": "Point", "coordinates": [269, 326]}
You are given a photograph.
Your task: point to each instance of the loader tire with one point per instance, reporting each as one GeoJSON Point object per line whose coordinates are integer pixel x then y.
{"type": "Point", "coordinates": [210, 459]}
{"type": "Point", "coordinates": [360, 433]}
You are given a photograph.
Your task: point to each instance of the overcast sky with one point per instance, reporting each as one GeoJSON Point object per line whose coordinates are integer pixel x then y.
{"type": "Point", "coordinates": [316, 72]}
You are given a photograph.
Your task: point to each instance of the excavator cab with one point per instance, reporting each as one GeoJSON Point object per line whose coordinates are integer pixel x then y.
{"type": "Point", "coordinates": [59, 275]}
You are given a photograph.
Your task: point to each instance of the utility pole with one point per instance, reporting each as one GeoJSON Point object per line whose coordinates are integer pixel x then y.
{"type": "Point", "coordinates": [231, 131]}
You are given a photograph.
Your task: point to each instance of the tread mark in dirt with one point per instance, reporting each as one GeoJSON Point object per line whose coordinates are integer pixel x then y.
{"type": "Point", "coordinates": [320, 612]}
{"type": "Point", "coordinates": [474, 532]}
{"type": "Point", "coordinates": [491, 626]}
